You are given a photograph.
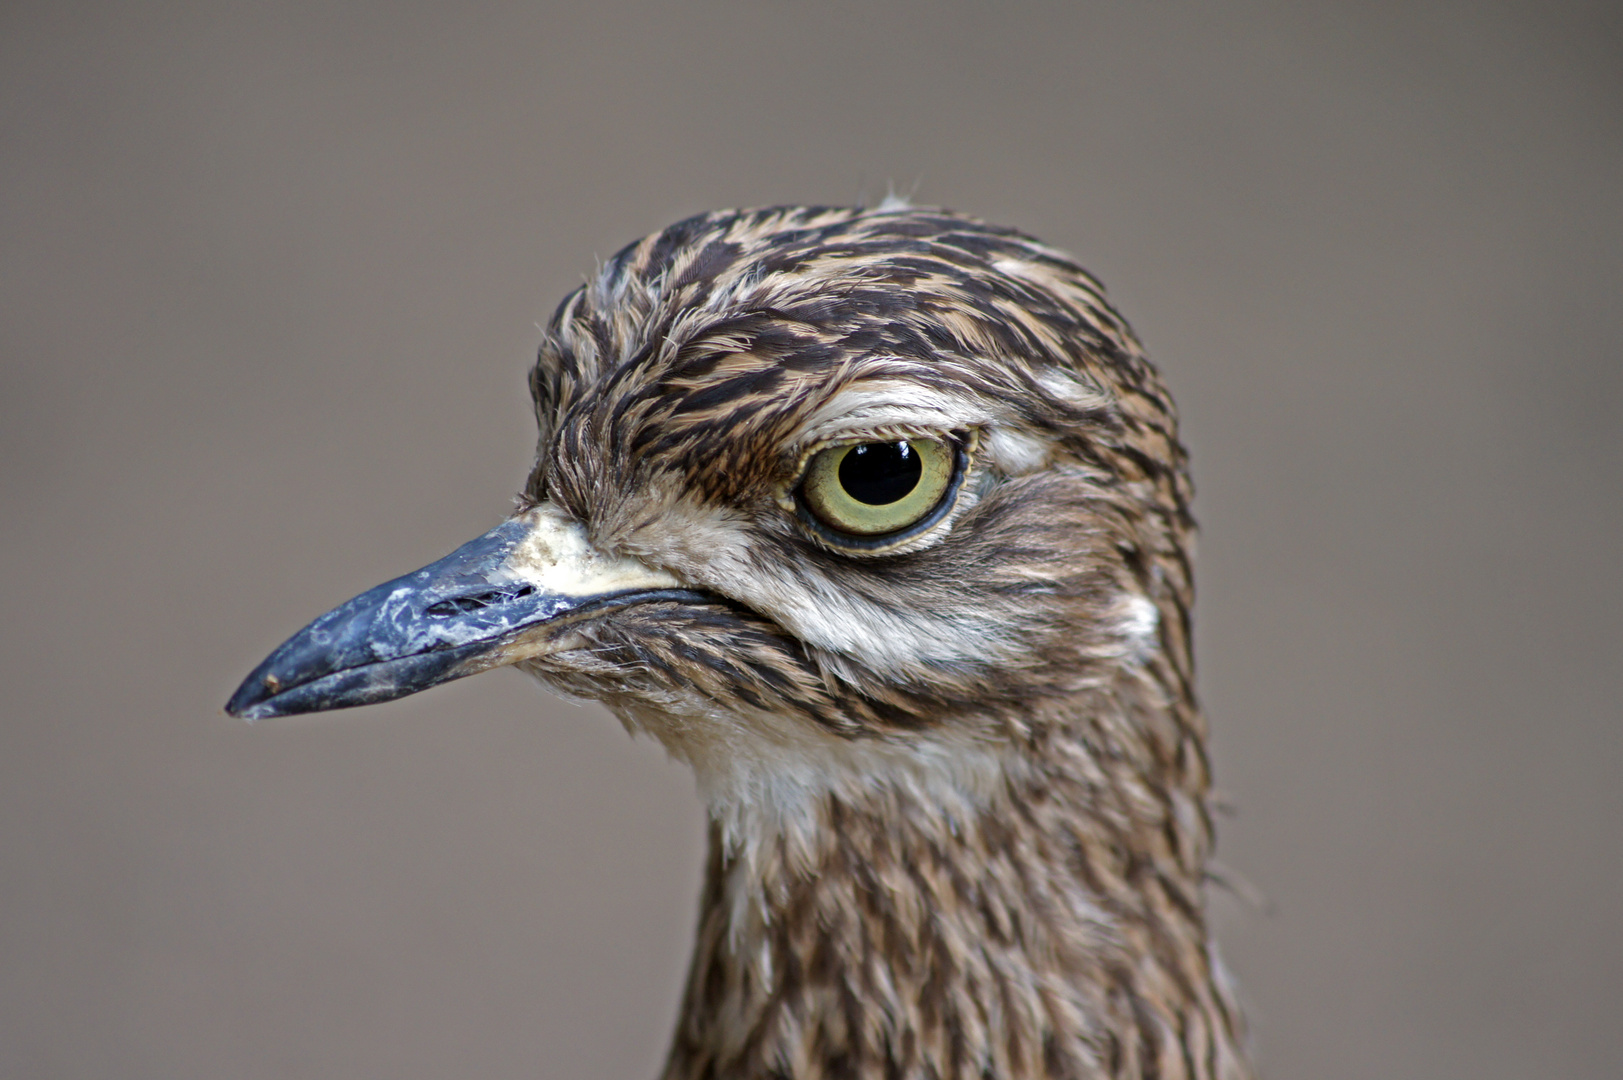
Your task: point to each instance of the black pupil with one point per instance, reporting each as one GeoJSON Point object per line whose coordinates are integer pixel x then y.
{"type": "Point", "coordinates": [880, 473]}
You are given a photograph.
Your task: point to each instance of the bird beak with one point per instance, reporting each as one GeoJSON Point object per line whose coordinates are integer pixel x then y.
{"type": "Point", "coordinates": [496, 600]}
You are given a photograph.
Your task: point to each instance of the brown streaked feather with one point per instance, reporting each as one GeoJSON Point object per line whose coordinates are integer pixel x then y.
{"type": "Point", "coordinates": [959, 790]}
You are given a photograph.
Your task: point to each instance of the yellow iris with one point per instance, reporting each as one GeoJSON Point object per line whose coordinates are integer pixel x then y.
{"type": "Point", "coordinates": [873, 488]}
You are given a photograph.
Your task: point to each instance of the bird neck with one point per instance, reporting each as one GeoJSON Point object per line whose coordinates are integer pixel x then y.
{"type": "Point", "coordinates": [1053, 926]}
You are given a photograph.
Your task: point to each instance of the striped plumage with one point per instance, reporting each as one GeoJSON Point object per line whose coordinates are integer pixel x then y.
{"type": "Point", "coordinates": [957, 777]}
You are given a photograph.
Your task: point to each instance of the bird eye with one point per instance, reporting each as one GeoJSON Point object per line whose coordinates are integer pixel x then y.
{"type": "Point", "coordinates": [873, 488]}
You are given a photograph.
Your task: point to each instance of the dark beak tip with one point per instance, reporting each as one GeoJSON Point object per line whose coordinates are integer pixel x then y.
{"type": "Point", "coordinates": [244, 703]}
{"type": "Point", "coordinates": [255, 699]}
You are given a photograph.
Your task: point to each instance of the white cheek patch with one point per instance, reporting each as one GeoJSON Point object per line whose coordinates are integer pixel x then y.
{"type": "Point", "coordinates": [833, 617]}
{"type": "Point", "coordinates": [715, 550]}
{"type": "Point", "coordinates": [911, 641]}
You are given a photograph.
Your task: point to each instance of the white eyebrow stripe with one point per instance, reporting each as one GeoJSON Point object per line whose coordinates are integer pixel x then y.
{"type": "Point", "coordinates": [873, 405]}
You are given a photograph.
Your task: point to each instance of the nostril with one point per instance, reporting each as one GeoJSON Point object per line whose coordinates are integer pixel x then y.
{"type": "Point", "coordinates": [474, 601]}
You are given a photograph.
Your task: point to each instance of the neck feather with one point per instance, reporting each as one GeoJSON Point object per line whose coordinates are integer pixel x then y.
{"type": "Point", "coordinates": [1047, 924]}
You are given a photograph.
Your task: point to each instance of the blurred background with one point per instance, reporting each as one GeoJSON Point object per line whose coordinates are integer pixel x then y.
{"type": "Point", "coordinates": [271, 277]}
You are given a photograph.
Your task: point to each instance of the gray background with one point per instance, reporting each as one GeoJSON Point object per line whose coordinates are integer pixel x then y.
{"type": "Point", "coordinates": [271, 278]}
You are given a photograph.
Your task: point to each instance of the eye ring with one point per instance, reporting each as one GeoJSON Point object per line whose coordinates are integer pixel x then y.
{"type": "Point", "coordinates": [907, 500]}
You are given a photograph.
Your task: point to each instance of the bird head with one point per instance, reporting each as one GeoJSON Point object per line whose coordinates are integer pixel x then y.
{"type": "Point", "coordinates": [821, 497]}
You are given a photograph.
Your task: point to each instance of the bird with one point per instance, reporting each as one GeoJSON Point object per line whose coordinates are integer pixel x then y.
{"type": "Point", "coordinates": [879, 520]}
